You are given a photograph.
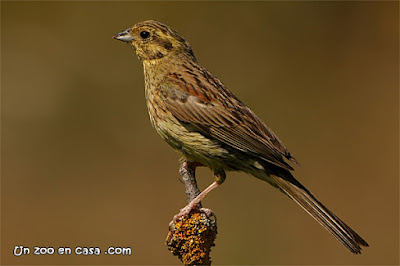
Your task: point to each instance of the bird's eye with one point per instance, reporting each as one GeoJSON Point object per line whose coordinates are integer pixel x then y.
{"type": "Point", "coordinates": [144, 34]}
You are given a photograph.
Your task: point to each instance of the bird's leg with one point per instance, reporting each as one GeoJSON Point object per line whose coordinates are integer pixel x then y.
{"type": "Point", "coordinates": [219, 179]}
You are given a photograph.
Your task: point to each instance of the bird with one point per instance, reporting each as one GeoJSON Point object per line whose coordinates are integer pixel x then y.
{"type": "Point", "coordinates": [197, 115]}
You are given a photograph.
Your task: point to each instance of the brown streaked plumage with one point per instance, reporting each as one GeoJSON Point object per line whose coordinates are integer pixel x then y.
{"type": "Point", "coordinates": [198, 116]}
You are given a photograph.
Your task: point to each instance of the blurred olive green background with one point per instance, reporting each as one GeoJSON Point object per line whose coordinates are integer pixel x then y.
{"type": "Point", "coordinates": [82, 166]}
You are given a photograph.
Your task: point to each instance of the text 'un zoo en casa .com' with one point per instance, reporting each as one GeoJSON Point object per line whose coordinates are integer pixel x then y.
{"type": "Point", "coordinates": [85, 251]}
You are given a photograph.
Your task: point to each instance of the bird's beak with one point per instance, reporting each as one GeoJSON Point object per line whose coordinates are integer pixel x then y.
{"type": "Point", "coordinates": [124, 36]}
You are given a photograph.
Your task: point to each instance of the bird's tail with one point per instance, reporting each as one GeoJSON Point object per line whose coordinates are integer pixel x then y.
{"type": "Point", "coordinates": [297, 192]}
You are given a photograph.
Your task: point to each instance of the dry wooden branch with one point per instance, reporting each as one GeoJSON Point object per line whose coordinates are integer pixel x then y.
{"type": "Point", "coordinates": [192, 236]}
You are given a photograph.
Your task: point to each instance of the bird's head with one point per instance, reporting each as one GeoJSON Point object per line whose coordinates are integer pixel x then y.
{"type": "Point", "coordinates": [154, 40]}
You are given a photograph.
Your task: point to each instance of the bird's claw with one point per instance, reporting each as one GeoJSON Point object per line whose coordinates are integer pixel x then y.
{"type": "Point", "coordinates": [208, 212]}
{"type": "Point", "coordinates": [186, 211]}
{"type": "Point", "coordinates": [182, 213]}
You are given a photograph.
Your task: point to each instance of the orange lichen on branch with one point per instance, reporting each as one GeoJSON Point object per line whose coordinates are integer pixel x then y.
{"type": "Point", "coordinates": [191, 238]}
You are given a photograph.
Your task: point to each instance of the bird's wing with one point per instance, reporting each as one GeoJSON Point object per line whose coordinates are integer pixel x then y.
{"type": "Point", "coordinates": [217, 113]}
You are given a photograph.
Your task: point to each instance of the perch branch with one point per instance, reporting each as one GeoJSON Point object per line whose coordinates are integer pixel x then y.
{"type": "Point", "coordinates": [192, 236]}
{"type": "Point", "coordinates": [188, 174]}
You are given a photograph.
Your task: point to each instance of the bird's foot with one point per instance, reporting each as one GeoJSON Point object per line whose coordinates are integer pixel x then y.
{"type": "Point", "coordinates": [208, 212]}
{"type": "Point", "coordinates": [185, 212]}
{"type": "Point", "coordinates": [194, 204]}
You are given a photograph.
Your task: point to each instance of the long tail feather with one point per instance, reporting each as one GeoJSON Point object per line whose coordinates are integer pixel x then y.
{"type": "Point", "coordinates": [320, 213]}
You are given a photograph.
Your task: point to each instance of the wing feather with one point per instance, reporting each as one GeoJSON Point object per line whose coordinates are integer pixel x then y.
{"type": "Point", "coordinates": [227, 120]}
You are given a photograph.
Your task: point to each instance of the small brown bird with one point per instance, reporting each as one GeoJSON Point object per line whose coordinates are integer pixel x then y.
{"type": "Point", "coordinates": [198, 116]}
